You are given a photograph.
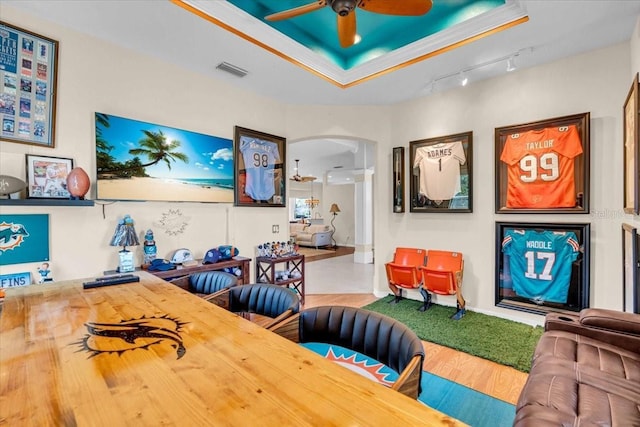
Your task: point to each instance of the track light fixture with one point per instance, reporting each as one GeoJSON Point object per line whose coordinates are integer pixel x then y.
{"type": "Point", "coordinates": [462, 76]}
{"type": "Point", "coordinates": [463, 79]}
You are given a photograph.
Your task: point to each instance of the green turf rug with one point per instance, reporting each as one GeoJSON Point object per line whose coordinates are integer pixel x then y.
{"type": "Point", "coordinates": [503, 341]}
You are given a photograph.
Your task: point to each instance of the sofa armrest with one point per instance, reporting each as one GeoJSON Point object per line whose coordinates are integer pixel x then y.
{"type": "Point", "coordinates": [591, 325]}
{"type": "Point", "coordinates": [628, 323]}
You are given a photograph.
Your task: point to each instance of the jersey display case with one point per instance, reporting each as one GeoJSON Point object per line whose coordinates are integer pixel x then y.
{"type": "Point", "coordinates": [259, 168]}
{"type": "Point", "coordinates": [440, 178]}
{"type": "Point", "coordinates": [542, 267]}
{"type": "Point", "coordinates": [543, 167]}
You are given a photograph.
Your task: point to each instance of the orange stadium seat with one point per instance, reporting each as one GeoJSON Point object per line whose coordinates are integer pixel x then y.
{"type": "Point", "coordinates": [443, 275]}
{"type": "Point", "coordinates": [404, 271]}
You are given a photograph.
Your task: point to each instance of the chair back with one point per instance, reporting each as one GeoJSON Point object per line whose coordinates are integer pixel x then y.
{"type": "Point", "coordinates": [443, 272]}
{"type": "Point", "coordinates": [209, 282]}
{"type": "Point", "coordinates": [404, 270]}
{"type": "Point", "coordinates": [264, 299]}
{"type": "Point", "coordinates": [367, 332]}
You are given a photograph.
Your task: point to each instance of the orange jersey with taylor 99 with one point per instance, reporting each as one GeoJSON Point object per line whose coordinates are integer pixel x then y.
{"type": "Point", "coordinates": [540, 167]}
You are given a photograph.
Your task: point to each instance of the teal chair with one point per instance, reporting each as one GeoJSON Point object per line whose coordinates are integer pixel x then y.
{"type": "Point", "coordinates": [209, 285]}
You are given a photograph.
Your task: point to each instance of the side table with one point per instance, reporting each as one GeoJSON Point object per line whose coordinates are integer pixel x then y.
{"type": "Point", "coordinates": [266, 272]}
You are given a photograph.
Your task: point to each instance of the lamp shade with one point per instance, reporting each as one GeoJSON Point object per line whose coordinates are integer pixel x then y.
{"type": "Point", "coordinates": [125, 233]}
{"type": "Point", "coordinates": [334, 208]}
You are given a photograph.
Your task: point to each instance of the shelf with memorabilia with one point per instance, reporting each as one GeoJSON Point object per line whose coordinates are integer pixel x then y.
{"type": "Point", "coordinates": [292, 276]}
{"type": "Point", "coordinates": [45, 202]}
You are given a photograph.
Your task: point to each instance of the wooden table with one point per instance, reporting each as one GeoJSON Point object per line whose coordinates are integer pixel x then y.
{"type": "Point", "coordinates": [150, 353]}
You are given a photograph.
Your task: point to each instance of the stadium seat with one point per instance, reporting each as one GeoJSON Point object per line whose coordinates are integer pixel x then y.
{"type": "Point", "coordinates": [403, 272]}
{"type": "Point", "coordinates": [443, 275]}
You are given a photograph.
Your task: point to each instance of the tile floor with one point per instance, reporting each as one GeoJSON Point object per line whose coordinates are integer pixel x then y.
{"type": "Point", "coordinates": [338, 275]}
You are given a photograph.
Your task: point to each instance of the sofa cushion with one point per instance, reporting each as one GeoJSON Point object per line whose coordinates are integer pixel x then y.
{"type": "Point", "coordinates": [587, 352]}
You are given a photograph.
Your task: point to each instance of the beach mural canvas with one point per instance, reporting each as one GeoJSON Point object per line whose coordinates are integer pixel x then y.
{"type": "Point", "coordinates": [148, 162]}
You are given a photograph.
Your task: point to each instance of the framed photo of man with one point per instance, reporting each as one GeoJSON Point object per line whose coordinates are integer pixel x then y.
{"type": "Point", "coordinates": [441, 178]}
{"type": "Point", "coordinates": [543, 166]}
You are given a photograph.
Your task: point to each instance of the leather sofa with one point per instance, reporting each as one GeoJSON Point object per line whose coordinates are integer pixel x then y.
{"type": "Point", "coordinates": [585, 372]}
{"type": "Point", "coordinates": [314, 235]}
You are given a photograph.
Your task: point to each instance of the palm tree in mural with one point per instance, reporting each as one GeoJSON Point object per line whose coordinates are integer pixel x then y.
{"type": "Point", "coordinates": [155, 147]}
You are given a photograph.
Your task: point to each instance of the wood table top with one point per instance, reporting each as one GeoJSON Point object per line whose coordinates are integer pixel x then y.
{"type": "Point", "coordinates": [150, 353]}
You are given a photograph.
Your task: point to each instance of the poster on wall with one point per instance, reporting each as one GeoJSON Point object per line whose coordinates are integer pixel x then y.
{"type": "Point", "coordinates": [148, 162]}
{"type": "Point", "coordinates": [24, 238]}
{"type": "Point", "coordinates": [28, 63]}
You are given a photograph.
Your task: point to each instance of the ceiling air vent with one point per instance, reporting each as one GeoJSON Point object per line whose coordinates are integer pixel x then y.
{"type": "Point", "coordinates": [232, 69]}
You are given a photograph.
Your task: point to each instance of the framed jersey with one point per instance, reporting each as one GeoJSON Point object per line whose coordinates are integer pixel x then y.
{"type": "Point", "coordinates": [259, 168]}
{"type": "Point", "coordinates": [440, 178]}
{"type": "Point", "coordinates": [543, 166]}
{"type": "Point", "coordinates": [631, 115]}
{"type": "Point", "coordinates": [542, 267]}
{"type": "Point", "coordinates": [630, 269]}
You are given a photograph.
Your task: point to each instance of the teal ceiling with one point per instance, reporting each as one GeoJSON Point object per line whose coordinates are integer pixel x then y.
{"type": "Point", "coordinates": [380, 34]}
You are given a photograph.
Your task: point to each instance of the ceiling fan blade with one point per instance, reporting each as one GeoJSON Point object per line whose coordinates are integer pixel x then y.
{"type": "Point", "coordinates": [347, 29]}
{"type": "Point", "coordinates": [296, 11]}
{"type": "Point", "coordinates": [395, 7]}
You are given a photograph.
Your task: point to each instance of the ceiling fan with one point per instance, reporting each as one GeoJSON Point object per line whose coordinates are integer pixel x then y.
{"type": "Point", "coordinates": [346, 14]}
{"type": "Point", "coordinates": [299, 178]}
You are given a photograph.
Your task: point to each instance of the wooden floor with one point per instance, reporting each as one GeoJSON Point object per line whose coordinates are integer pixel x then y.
{"type": "Point", "coordinates": [499, 381]}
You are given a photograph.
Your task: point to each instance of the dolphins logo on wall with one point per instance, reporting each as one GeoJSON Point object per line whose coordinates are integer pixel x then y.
{"type": "Point", "coordinates": [132, 334]}
{"type": "Point", "coordinates": [11, 235]}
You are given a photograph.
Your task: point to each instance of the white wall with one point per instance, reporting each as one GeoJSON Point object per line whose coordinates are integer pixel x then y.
{"type": "Point", "coordinates": [97, 76]}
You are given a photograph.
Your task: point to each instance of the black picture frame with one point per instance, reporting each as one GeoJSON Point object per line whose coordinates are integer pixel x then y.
{"type": "Point", "coordinates": [398, 180]}
{"type": "Point", "coordinates": [29, 73]}
{"type": "Point", "coordinates": [266, 187]}
{"type": "Point", "coordinates": [543, 166]}
{"type": "Point", "coordinates": [542, 267]}
{"type": "Point", "coordinates": [630, 269]}
{"type": "Point", "coordinates": [453, 191]}
{"type": "Point", "coordinates": [631, 148]}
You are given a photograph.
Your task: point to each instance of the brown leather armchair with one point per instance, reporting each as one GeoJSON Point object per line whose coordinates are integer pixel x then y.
{"type": "Point", "coordinates": [585, 371]}
{"type": "Point", "coordinates": [380, 337]}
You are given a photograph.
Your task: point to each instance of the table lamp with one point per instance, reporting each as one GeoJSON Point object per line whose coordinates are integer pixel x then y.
{"type": "Point", "coordinates": [334, 211]}
{"type": "Point", "coordinates": [125, 235]}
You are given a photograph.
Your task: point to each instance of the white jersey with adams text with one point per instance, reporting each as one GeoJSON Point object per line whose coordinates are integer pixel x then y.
{"type": "Point", "coordinates": [440, 169]}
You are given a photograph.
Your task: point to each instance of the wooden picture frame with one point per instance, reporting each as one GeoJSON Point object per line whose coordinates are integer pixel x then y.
{"type": "Point", "coordinates": [398, 180]}
{"type": "Point", "coordinates": [28, 70]}
{"type": "Point", "coordinates": [542, 267]}
{"type": "Point", "coordinates": [630, 269]}
{"type": "Point", "coordinates": [262, 182]}
{"type": "Point", "coordinates": [631, 128]}
{"type": "Point", "coordinates": [441, 178]}
{"type": "Point", "coordinates": [47, 177]}
{"type": "Point", "coordinates": [543, 166]}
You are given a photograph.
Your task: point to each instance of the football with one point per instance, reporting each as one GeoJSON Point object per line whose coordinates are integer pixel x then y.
{"type": "Point", "coordinates": [10, 184]}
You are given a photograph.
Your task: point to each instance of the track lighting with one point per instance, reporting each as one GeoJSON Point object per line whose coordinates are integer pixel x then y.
{"type": "Point", "coordinates": [463, 79]}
